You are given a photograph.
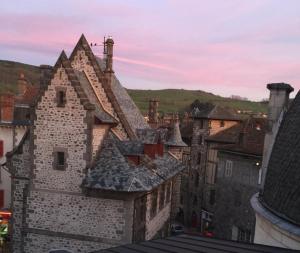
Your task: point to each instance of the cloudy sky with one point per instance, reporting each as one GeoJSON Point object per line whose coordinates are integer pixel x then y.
{"type": "Point", "coordinates": [228, 47]}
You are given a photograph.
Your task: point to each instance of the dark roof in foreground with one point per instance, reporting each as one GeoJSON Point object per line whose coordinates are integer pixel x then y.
{"type": "Point", "coordinates": [189, 244]}
{"type": "Point", "coordinates": [282, 187]}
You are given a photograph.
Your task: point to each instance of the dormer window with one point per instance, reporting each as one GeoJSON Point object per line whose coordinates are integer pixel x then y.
{"type": "Point", "coordinates": [61, 97]}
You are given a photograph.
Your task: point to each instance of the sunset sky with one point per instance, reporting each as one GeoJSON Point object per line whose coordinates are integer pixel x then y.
{"type": "Point", "coordinates": [228, 47]}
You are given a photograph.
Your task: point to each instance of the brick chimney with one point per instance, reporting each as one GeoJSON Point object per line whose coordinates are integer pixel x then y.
{"type": "Point", "coordinates": [7, 102]}
{"type": "Point", "coordinates": [153, 150]}
{"type": "Point", "coordinates": [152, 111]}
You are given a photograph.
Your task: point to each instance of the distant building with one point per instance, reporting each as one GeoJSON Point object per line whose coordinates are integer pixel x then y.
{"type": "Point", "coordinates": [208, 120]}
{"type": "Point", "coordinates": [277, 205]}
{"type": "Point", "coordinates": [237, 178]}
{"type": "Point", "coordinates": [90, 173]}
{"type": "Point", "coordinates": [14, 121]}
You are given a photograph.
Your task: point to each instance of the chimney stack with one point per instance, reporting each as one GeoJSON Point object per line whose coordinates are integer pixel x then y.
{"type": "Point", "coordinates": [21, 84]}
{"type": "Point", "coordinates": [152, 113]}
{"type": "Point", "coordinates": [278, 103]}
{"type": "Point", "coordinates": [279, 99]}
{"type": "Point", "coordinates": [45, 75]}
{"type": "Point", "coordinates": [109, 44]}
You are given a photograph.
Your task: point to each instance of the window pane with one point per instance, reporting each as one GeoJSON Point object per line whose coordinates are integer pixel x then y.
{"type": "Point", "coordinates": [61, 158]}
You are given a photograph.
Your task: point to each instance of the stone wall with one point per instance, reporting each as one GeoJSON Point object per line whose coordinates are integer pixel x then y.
{"type": "Point", "coordinates": [20, 164]}
{"type": "Point", "coordinates": [81, 62]}
{"type": "Point", "coordinates": [233, 193]}
{"type": "Point", "coordinates": [75, 214]}
{"type": "Point", "coordinates": [60, 128]}
{"type": "Point", "coordinates": [99, 132]}
{"type": "Point", "coordinates": [216, 125]}
{"type": "Point", "coordinates": [159, 222]}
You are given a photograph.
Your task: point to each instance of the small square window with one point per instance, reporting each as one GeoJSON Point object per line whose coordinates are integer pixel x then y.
{"type": "Point", "coordinates": [61, 98]}
{"type": "Point", "coordinates": [60, 160]}
{"type": "Point", "coordinates": [222, 123]}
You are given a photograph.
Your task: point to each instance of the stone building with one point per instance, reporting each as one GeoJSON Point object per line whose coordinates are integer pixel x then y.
{"type": "Point", "coordinates": [208, 119]}
{"type": "Point", "coordinates": [14, 121]}
{"type": "Point", "coordinates": [277, 205]}
{"type": "Point", "coordinates": [90, 173]}
{"type": "Point", "coordinates": [238, 176]}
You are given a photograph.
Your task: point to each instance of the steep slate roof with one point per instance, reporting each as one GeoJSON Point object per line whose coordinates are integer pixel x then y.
{"type": "Point", "coordinates": [151, 136]}
{"type": "Point", "coordinates": [229, 135]}
{"type": "Point", "coordinates": [129, 109]}
{"type": "Point", "coordinates": [281, 192]}
{"type": "Point", "coordinates": [210, 111]}
{"type": "Point", "coordinates": [112, 171]}
{"type": "Point", "coordinates": [246, 137]}
{"type": "Point", "coordinates": [194, 244]}
{"type": "Point", "coordinates": [103, 116]}
{"type": "Point", "coordinates": [128, 113]}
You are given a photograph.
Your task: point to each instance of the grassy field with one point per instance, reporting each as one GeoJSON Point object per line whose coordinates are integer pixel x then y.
{"type": "Point", "coordinates": [171, 100]}
{"type": "Point", "coordinates": [10, 72]}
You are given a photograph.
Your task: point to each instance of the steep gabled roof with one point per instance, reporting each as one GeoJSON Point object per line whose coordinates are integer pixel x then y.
{"type": "Point", "coordinates": [151, 136]}
{"type": "Point", "coordinates": [113, 172]}
{"type": "Point", "coordinates": [64, 62]}
{"type": "Point", "coordinates": [210, 111]}
{"type": "Point", "coordinates": [126, 109]}
{"type": "Point", "coordinates": [102, 115]}
{"type": "Point", "coordinates": [123, 105]}
{"type": "Point", "coordinates": [246, 137]}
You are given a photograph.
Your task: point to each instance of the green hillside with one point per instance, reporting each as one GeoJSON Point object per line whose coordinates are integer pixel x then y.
{"type": "Point", "coordinates": [171, 100]}
{"type": "Point", "coordinates": [10, 72]}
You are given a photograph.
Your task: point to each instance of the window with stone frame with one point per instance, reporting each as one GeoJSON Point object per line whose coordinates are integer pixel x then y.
{"type": "Point", "coordinates": [162, 196]}
{"type": "Point", "coordinates": [59, 160]}
{"type": "Point", "coordinates": [222, 123]}
{"type": "Point", "coordinates": [228, 168]}
{"type": "Point", "coordinates": [61, 96]}
{"type": "Point", "coordinates": [153, 203]}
